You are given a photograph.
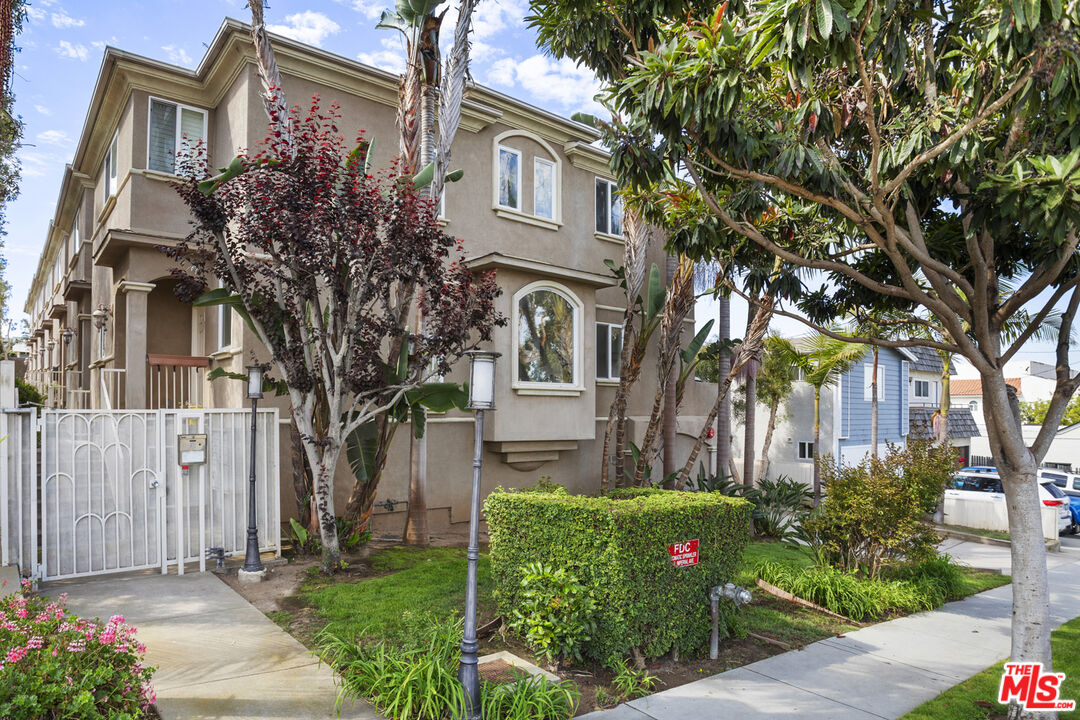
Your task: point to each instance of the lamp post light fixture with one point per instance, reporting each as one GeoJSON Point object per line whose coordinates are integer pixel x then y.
{"type": "Point", "coordinates": [252, 563]}
{"type": "Point", "coordinates": [481, 398]}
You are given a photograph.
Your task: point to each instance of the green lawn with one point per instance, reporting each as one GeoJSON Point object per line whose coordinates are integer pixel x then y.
{"type": "Point", "coordinates": [992, 534]}
{"type": "Point", "coordinates": [420, 580]}
{"type": "Point", "coordinates": [976, 698]}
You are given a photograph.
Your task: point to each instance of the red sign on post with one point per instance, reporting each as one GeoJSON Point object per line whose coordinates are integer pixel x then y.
{"type": "Point", "coordinates": [684, 554]}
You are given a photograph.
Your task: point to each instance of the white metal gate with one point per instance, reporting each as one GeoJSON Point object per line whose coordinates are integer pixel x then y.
{"type": "Point", "coordinates": [112, 496]}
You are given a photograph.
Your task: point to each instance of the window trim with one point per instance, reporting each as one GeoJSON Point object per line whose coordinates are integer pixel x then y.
{"type": "Point", "coordinates": [609, 377]}
{"type": "Point", "coordinates": [498, 178]}
{"type": "Point", "coordinates": [805, 451]}
{"type": "Point", "coordinates": [541, 388]}
{"type": "Point", "coordinates": [915, 390]}
{"type": "Point", "coordinates": [518, 214]}
{"type": "Point", "coordinates": [176, 137]}
{"type": "Point", "coordinates": [76, 240]}
{"type": "Point", "coordinates": [868, 382]}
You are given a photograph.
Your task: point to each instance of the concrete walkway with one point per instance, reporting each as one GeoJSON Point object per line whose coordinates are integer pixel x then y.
{"type": "Point", "coordinates": [217, 656]}
{"type": "Point", "coordinates": [883, 671]}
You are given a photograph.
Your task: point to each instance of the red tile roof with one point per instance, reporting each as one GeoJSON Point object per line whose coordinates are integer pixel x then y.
{"type": "Point", "coordinates": [965, 388]}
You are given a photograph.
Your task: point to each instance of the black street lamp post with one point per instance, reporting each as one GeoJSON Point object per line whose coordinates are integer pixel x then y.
{"type": "Point", "coordinates": [481, 398]}
{"type": "Point", "coordinates": [252, 562]}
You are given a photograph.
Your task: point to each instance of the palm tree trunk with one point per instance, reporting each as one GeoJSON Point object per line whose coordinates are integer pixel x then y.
{"type": "Point", "coordinates": [723, 367]}
{"type": "Point", "coordinates": [817, 438]}
{"type": "Point", "coordinates": [943, 406]}
{"type": "Point", "coordinates": [873, 409]}
{"type": "Point", "coordinates": [670, 399]}
{"type": "Point", "coordinates": [750, 418]}
{"type": "Point", "coordinates": [763, 464]}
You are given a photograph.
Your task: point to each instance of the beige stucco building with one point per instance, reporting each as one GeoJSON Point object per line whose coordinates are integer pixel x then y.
{"type": "Point", "coordinates": [535, 205]}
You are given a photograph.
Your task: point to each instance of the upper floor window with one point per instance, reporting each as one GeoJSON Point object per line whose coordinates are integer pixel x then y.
{"type": "Point", "coordinates": [543, 188]}
{"type": "Point", "coordinates": [509, 178]}
{"type": "Point", "coordinates": [75, 239]}
{"type": "Point", "coordinates": [110, 166]}
{"type": "Point", "coordinates": [868, 382]}
{"type": "Point", "coordinates": [922, 389]}
{"type": "Point", "coordinates": [526, 178]}
{"type": "Point", "coordinates": [609, 208]}
{"type": "Point", "coordinates": [548, 331]}
{"type": "Point", "coordinates": [172, 128]}
{"type": "Point", "coordinates": [806, 450]}
{"type": "Point", "coordinates": [608, 351]}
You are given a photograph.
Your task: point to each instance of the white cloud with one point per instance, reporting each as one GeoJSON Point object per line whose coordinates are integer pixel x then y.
{"type": "Point", "coordinates": [543, 79]}
{"type": "Point", "coordinates": [68, 50]}
{"type": "Point", "coordinates": [54, 137]}
{"type": "Point", "coordinates": [35, 14]}
{"type": "Point", "coordinates": [370, 9]}
{"type": "Point", "coordinates": [177, 55]}
{"type": "Point", "coordinates": [61, 20]}
{"type": "Point", "coordinates": [391, 58]}
{"type": "Point", "coordinates": [43, 110]}
{"type": "Point", "coordinates": [308, 27]}
{"type": "Point", "coordinates": [494, 16]}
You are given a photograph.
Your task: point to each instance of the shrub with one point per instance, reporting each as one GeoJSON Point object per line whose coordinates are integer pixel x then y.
{"type": "Point", "coordinates": [779, 506]}
{"type": "Point", "coordinates": [617, 546]}
{"type": "Point", "coordinates": [844, 592]}
{"type": "Point", "coordinates": [631, 682]}
{"type": "Point", "coordinates": [873, 511]}
{"type": "Point", "coordinates": [557, 616]}
{"type": "Point", "coordinates": [28, 394]}
{"type": "Point", "coordinates": [418, 680]}
{"type": "Point", "coordinates": [58, 665]}
{"type": "Point", "coordinates": [937, 578]}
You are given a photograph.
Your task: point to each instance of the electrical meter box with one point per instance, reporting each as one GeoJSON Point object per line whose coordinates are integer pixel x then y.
{"type": "Point", "coordinates": [191, 449]}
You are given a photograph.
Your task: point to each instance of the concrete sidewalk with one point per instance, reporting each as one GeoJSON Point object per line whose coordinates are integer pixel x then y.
{"type": "Point", "coordinates": [217, 656]}
{"type": "Point", "coordinates": [882, 671]}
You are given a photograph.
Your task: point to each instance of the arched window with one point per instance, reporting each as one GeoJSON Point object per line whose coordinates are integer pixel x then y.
{"type": "Point", "coordinates": [527, 179]}
{"type": "Point", "coordinates": [547, 329]}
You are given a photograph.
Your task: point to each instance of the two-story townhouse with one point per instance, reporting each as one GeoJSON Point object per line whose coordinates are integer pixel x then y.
{"type": "Point", "coordinates": [537, 205]}
{"type": "Point", "coordinates": [925, 393]}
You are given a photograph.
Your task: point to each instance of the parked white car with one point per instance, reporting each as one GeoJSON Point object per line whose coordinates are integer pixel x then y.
{"type": "Point", "coordinates": [987, 483]}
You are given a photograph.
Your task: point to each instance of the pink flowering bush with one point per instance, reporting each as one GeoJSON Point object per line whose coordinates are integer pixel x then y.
{"type": "Point", "coordinates": [56, 665]}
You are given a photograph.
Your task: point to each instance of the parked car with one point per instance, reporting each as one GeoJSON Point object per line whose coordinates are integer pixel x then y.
{"type": "Point", "coordinates": [986, 480]}
{"type": "Point", "coordinates": [1074, 504]}
{"type": "Point", "coordinates": [1068, 482]}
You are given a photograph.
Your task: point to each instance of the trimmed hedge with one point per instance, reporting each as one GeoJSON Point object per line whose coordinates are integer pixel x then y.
{"type": "Point", "coordinates": [618, 545]}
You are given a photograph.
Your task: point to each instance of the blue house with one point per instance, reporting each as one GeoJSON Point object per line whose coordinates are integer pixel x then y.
{"type": "Point", "coordinates": [852, 415]}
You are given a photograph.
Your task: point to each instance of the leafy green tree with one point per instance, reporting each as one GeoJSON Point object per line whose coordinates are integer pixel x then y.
{"type": "Point", "coordinates": [776, 379]}
{"type": "Point", "coordinates": [939, 140]}
{"type": "Point", "coordinates": [1035, 411]}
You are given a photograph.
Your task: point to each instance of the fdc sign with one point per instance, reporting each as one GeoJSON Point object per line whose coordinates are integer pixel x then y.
{"type": "Point", "coordinates": [684, 554]}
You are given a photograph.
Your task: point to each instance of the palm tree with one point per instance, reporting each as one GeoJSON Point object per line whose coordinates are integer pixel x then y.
{"type": "Point", "coordinates": [822, 360]}
{"type": "Point", "coordinates": [707, 277]}
{"type": "Point", "coordinates": [775, 379]}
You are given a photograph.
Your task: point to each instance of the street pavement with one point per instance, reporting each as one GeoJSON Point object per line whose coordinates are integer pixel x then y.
{"type": "Point", "coordinates": [879, 672]}
{"type": "Point", "coordinates": [217, 656]}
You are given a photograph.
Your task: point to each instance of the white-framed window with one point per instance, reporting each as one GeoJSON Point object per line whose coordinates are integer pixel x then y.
{"type": "Point", "coordinates": [543, 188]}
{"type": "Point", "coordinates": [509, 178]}
{"type": "Point", "coordinates": [441, 212]}
{"type": "Point", "coordinates": [800, 375]}
{"type": "Point", "coordinates": [224, 321]}
{"type": "Point", "coordinates": [110, 166]}
{"type": "Point", "coordinates": [75, 237]}
{"type": "Point", "coordinates": [609, 208]}
{"type": "Point", "coordinates": [868, 382]}
{"type": "Point", "coordinates": [973, 406]}
{"type": "Point", "coordinates": [172, 128]}
{"type": "Point", "coordinates": [806, 450]}
{"type": "Point", "coordinates": [922, 389]}
{"type": "Point", "coordinates": [547, 331]}
{"type": "Point", "coordinates": [609, 342]}
{"type": "Point", "coordinates": [72, 354]}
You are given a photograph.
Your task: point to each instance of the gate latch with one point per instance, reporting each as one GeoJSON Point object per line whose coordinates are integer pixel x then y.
{"type": "Point", "coordinates": [218, 553]}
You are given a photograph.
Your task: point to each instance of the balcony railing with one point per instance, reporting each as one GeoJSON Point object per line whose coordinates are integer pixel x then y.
{"type": "Point", "coordinates": [176, 381]}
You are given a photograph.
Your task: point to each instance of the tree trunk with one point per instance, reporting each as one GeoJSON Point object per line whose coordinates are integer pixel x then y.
{"type": "Point", "coordinates": [671, 418]}
{"type": "Point", "coordinates": [817, 437]}
{"type": "Point", "coordinates": [943, 407]}
{"type": "Point", "coordinates": [763, 464]}
{"type": "Point", "coordinates": [301, 475]}
{"type": "Point", "coordinates": [1019, 468]}
{"type": "Point", "coordinates": [873, 410]}
{"type": "Point", "coordinates": [723, 367]}
{"type": "Point", "coordinates": [750, 418]}
{"type": "Point", "coordinates": [324, 461]}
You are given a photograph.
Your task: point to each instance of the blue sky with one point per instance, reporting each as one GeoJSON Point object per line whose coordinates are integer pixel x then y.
{"type": "Point", "coordinates": [64, 40]}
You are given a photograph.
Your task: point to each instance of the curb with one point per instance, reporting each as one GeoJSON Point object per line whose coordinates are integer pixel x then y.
{"type": "Point", "coordinates": [1051, 545]}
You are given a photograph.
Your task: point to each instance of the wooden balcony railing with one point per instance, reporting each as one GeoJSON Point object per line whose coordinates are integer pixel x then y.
{"type": "Point", "coordinates": [176, 381]}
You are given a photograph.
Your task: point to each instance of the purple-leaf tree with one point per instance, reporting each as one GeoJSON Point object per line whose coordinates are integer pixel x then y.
{"type": "Point", "coordinates": [324, 261]}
